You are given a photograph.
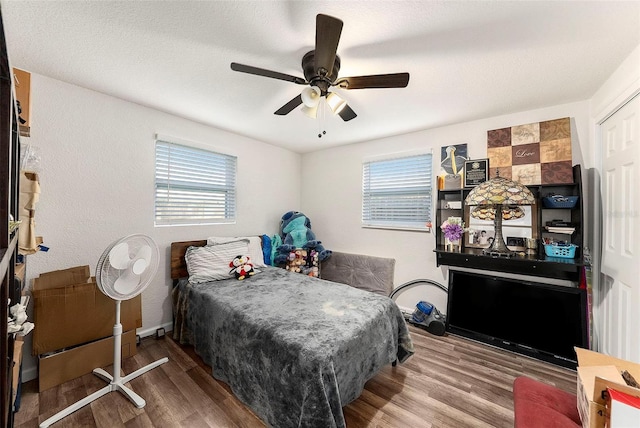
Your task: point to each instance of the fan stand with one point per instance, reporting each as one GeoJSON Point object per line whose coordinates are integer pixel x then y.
{"type": "Point", "coordinates": [116, 383]}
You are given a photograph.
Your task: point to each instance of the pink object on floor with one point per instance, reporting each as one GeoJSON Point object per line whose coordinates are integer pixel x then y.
{"type": "Point", "coordinates": [537, 404]}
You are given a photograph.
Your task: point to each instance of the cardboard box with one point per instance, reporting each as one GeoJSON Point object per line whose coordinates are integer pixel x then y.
{"type": "Point", "coordinates": [60, 278]}
{"type": "Point", "coordinates": [29, 196]}
{"type": "Point", "coordinates": [71, 315]}
{"type": "Point", "coordinates": [22, 85]}
{"type": "Point", "coordinates": [17, 366]}
{"type": "Point", "coordinates": [63, 366]}
{"type": "Point", "coordinates": [591, 413]}
{"type": "Point", "coordinates": [596, 373]}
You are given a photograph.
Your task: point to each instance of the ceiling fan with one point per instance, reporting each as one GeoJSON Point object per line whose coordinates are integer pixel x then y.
{"type": "Point", "coordinates": [320, 68]}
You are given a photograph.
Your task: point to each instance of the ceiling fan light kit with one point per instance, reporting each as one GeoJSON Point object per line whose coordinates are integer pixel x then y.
{"type": "Point", "coordinates": [311, 96]}
{"type": "Point", "coordinates": [336, 103]}
{"type": "Point", "coordinates": [320, 68]}
{"type": "Point", "coordinates": [124, 270]}
{"type": "Point", "coordinates": [312, 112]}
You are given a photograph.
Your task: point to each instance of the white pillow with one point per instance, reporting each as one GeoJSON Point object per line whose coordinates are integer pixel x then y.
{"type": "Point", "coordinates": [255, 246]}
{"type": "Point", "coordinates": [211, 262]}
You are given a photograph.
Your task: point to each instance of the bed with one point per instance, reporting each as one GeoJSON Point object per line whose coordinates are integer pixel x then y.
{"type": "Point", "coordinates": [293, 348]}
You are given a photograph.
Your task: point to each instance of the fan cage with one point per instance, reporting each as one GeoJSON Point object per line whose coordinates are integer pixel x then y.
{"type": "Point", "coordinates": [106, 274]}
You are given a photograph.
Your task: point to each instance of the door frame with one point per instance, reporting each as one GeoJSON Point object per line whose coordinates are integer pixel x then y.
{"type": "Point", "coordinates": [609, 109]}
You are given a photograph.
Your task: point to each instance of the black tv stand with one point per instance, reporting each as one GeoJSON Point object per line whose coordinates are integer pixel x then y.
{"type": "Point", "coordinates": [537, 319]}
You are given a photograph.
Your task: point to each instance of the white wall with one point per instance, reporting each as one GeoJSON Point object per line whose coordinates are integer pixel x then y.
{"type": "Point", "coordinates": [332, 191]}
{"type": "Point", "coordinates": [97, 180]}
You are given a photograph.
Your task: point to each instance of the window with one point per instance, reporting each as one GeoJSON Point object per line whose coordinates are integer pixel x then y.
{"type": "Point", "coordinates": [194, 186]}
{"type": "Point", "coordinates": [396, 193]}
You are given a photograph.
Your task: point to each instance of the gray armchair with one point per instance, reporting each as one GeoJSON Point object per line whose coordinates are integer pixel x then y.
{"type": "Point", "coordinates": [368, 273]}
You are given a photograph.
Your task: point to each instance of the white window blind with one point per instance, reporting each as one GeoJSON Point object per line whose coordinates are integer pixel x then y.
{"type": "Point", "coordinates": [396, 193]}
{"type": "Point", "coordinates": [194, 186]}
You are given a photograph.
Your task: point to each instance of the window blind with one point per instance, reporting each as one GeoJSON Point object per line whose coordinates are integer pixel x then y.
{"type": "Point", "coordinates": [397, 192]}
{"type": "Point", "coordinates": [193, 186]}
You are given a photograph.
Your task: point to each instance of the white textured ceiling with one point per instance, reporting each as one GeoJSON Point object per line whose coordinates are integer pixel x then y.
{"type": "Point", "coordinates": [467, 60]}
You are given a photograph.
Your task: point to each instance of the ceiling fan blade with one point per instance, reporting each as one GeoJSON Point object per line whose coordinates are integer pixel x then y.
{"type": "Point", "coordinates": [328, 31]}
{"type": "Point", "coordinates": [395, 80]}
{"type": "Point", "coordinates": [288, 107]}
{"type": "Point", "coordinates": [267, 73]}
{"type": "Point", "coordinates": [347, 113]}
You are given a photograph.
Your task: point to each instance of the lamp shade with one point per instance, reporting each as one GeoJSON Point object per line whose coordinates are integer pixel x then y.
{"type": "Point", "coordinates": [489, 213]}
{"type": "Point", "coordinates": [500, 191]}
{"type": "Point", "coordinates": [312, 112]}
{"type": "Point", "coordinates": [311, 96]}
{"type": "Point", "coordinates": [335, 102]}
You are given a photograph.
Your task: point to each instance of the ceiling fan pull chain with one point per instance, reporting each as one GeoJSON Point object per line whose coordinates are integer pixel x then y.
{"type": "Point", "coordinates": [321, 122]}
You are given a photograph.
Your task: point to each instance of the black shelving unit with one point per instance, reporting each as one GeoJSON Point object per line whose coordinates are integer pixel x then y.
{"type": "Point", "coordinates": [529, 264]}
{"type": "Point", "coordinates": [572, 215]}
{"type": "Point", "coordinates": [9, 191]}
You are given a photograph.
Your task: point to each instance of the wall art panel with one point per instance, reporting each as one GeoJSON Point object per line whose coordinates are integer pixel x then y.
{"type": "Point", "coordinates": [532, 154]}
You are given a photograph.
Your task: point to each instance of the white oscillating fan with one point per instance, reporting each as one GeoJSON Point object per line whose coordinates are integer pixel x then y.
{"type": "Point", "coordinates": [125, 269]}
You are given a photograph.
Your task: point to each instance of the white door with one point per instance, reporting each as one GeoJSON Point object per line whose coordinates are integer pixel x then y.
{"type": "Point", "coordinates": [619, 312]}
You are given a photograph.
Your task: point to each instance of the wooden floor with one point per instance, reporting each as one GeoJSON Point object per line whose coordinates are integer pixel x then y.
{"type": "Point", "coordinates": [449, 382]}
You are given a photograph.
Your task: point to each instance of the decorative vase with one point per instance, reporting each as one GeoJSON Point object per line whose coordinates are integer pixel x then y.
{"type": "Point", "coordinates": [452, 246]}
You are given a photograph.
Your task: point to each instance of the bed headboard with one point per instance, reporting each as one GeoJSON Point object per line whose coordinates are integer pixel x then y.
{"type": "Point", "coordinates": [178, 264]}
{"type": "Point", "coordinates": [369, 273]}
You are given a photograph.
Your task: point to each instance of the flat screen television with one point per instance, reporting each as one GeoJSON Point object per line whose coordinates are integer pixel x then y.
{"type": "Point", "coordinates": [535, 319]}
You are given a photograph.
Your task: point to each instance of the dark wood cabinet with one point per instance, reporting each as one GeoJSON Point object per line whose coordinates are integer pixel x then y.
{"type": "Point", "coordinates": [450, 203]}
{"type": "Point", "coordinates": [9, 183]}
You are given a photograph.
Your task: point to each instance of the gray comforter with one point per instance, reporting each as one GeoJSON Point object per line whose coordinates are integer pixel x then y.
{"type": "Point", "coordinates": [295, 349]}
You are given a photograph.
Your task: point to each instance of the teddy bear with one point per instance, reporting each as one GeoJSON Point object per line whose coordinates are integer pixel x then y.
{"type": "Point", "coordinates": [241, 267]}
{"type": "Point", "coordinates": [313, 272]}
{"type": "Point", "coordinates": [296, 260]}
{"type": "Point", "coordinates": [295, 228]}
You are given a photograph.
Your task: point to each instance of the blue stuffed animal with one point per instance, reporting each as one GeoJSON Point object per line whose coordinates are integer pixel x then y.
{"type": "Point", "coordinates": [295, 230]}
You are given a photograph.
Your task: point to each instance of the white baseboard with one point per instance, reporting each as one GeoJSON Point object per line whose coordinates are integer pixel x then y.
{"type": "Point", "coordinates": [29, 373]}
{"type": "Point", "coordinates": [152, 331]}
{"type": "Point", "coordinates": [406, 310]}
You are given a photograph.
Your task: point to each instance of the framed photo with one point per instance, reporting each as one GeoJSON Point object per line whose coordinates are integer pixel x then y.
{"type": "Point", "coordinates": [476, 171]}
{"type": "Point", "coordinates": [480, 237]}
{"type": "Point", "coordinates": [517, 243]}
{"type": "Point", "coordinates": [452, 158]}
{"type": "Point", "coordinates": [516, 237]}
{"type": "Point", "coordinates": [515, 231]}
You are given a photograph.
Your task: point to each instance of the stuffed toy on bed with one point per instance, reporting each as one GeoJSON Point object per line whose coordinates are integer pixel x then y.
{"type": "Point", "coordinates": [241, 267]}
{"type": "Point", "coordinates": [295, 230]}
